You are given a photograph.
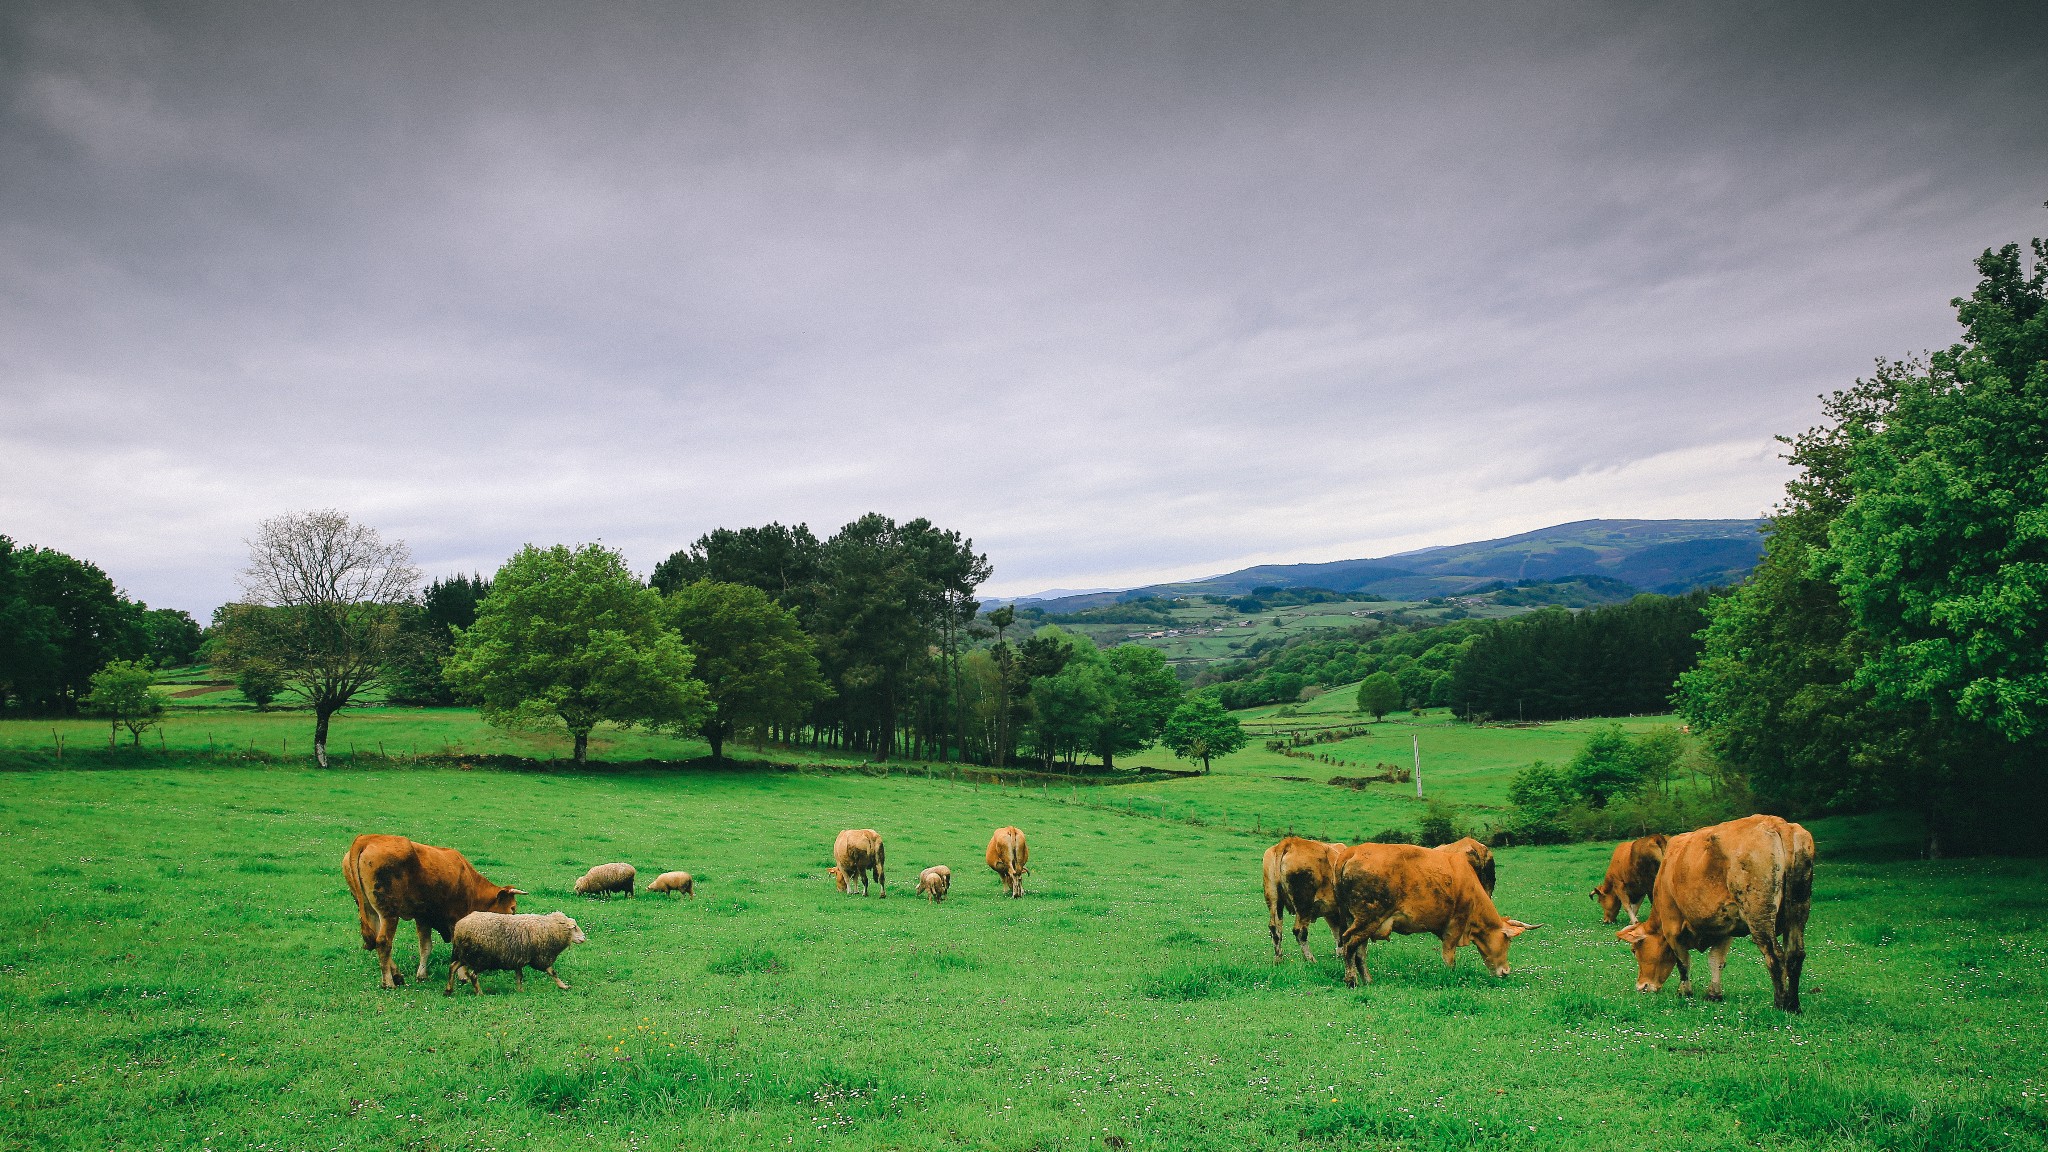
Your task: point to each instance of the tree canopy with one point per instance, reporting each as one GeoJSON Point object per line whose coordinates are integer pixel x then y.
{"type": "Point", "coordinates": [1893, 645]}
{"type": "Point", "coordinates": [570, 637]}
{"type": "Point", "coordinates": [1201, 730]}
{"type": "Point", "coordinates": [759, 669]}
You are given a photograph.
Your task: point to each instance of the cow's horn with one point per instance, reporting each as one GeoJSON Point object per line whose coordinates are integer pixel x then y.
{"type": "Point", "coordinates": [516, 891]}
{"type": "Point", "coordinates": [1524, 927]}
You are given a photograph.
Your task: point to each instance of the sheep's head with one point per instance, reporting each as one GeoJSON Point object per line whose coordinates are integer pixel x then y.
{"type": "Point", "coordinates": [576, 935]}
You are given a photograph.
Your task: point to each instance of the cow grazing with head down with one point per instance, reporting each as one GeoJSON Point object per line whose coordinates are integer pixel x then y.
{"type": "Point", "coordinates": [855, 854]}
{"type": "Point", "coordinates": [394, 879]}
{"type": "Point", "coordinates": [1631, 874]}
{"type": "Point", "coordinates": [1479, 855]}
{"type": "Point", "coordinates": [1749, 877]}
{"type": "Point", "coordinates": [1007, 855]}
{"type": "Point", "coordinates": [1300, 876]}
{"type": "Point", "coordinates": [1383, 889]}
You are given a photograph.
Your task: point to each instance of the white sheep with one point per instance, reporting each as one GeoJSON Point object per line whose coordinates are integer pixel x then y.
{"type": "Point", "coordinates": [606, 879]}
{"type": "Point", "coordinates": [500, 942]}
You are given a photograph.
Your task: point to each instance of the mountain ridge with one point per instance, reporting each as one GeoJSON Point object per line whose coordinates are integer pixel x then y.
{"type": "Point", "coordinates": [1654, 555]}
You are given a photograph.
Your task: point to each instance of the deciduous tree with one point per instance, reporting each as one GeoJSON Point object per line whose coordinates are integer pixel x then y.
{"type": "Point", "coordinates": [325, 600]}
{"type": "Point", "coordinates": [123, 693]}
{"type": "Point", "coordinates": [1201, 730]}
{"type": "Point", "coordinates": [758, 668]}
{"type": "Point", "coordinates": [570, 637]}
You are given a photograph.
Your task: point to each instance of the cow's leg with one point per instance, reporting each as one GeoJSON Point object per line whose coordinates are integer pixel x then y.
{"type": "Point", "coordinates": [1301, 938]}
{"type": "Point", "coordinates": [387, 972]}
{"type": "Point", "coordinates": [1774, 959]}
{"type": "Point", "coordinates": [1795, 963]}
{"type": "Point", "coordinates": [1631, 906]}
{"type": "Point", "coordinates": [1273, 927]}
{"type": "Point", "coordinates": [1684, 961]}
{"type": "Point", "coordinates": [557, 979]}
{"type": "Point", "coordinates": [426, 948]}
{"type": "Point", "coordinates": [1717, 959]}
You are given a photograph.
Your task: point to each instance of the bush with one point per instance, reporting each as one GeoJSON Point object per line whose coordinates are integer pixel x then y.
{"type": "Point", "coordinates": [1439, 825]}
{"type": "Point", "coordinates": [1606, 767]}
{"type": "Point", "coordinates": [1393, 836]}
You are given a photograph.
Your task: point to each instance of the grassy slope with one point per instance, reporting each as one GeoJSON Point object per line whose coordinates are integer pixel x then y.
{"type": "Point", "coordinates": [181, 963]}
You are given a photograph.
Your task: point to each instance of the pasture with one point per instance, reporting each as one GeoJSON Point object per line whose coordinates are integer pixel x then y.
{"type": "Point", "coordinates": [181, 969]}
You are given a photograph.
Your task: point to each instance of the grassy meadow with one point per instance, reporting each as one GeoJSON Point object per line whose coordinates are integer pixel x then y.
{"type": "Point", "coordinates": [182, 970]}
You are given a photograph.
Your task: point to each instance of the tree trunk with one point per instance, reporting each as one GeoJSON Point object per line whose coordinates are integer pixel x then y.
{"type": "Point", "coordinates": [320, 717]}
{"type": "Point", "coordinates": [715, 733]}
{"type": "Point", "coordinates": [582, 744]}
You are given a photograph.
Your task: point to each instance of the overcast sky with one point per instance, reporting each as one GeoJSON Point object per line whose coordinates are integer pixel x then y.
{"type": "Point", "coordinates": [1124, 292]}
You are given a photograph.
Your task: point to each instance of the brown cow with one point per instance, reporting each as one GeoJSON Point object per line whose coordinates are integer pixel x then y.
{"type": "Point", "coordinates": [1007, 855]}
{"type": "Point", "coordinates": [1749, 877]}
{"type": "Point", "coordinates": [1387, 888]}
{"type": "Point", "coordinates": [1480, 856]}
{"type": "Point", "coordinates": [1630, 876]}
{"type": "Point", "coordinates": [396, 879]}
{"type": "Point", "coordinates": [857, 852]}
{"type": "Point", "coordinates": [1300, 877]}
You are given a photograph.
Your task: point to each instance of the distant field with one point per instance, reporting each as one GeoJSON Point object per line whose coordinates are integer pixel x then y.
{"type": "Point", "coordinates": [1213, 632]}
{"type": "Point", "coordinates": [182, 970]}
{"type": "Point", "coordinates": [1466, 764]}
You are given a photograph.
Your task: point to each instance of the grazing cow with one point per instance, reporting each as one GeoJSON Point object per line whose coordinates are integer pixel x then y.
{"type": "Point", "coordinates": [1387, 888]}
{"type": "Point", "coordinates": [934, 881]}
{"type": "Point", "coordinates": [394, 879]}
{"type": "Point", "coordinates": [1301, 877]}
{"type": "Point", "coordinates": [1630, 876]}
{"type": "Point", "coordinates": [856, 853]}
{"type": "Point", "coordinates": [1749, 877]}
{"type": "Point", "coordinates": [1480, 856]}
{"type": "Point", "coordinates": [1007, 855]}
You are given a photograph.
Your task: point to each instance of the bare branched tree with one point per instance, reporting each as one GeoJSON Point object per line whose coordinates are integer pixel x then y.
{"type": "Point", "coordinates": [324, 601]}
{"type": "Point", "coordinates": [309, 558]}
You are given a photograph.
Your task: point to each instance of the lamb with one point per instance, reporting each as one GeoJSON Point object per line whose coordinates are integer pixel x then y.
{"type": "Point", "coordinates": [674, 882]}
{"type": "Point", "coordinates": [934, 881]}
{"type": "Point", "coordinates": [606, 879]}
{"type": "Point", "coordinates": [498, 942]}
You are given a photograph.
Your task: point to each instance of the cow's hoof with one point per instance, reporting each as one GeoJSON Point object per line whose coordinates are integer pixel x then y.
{"type": "Point", "coordinates": [1714, 994]}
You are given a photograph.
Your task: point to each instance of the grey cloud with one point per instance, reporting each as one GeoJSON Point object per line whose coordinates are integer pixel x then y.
{"type": "Point", "coordinates": [1122, 291]}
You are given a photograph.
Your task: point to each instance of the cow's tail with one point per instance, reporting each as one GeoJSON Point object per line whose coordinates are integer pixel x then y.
{"type": "Point", "coordinates": [1798, 891]}
{"type": "Point", "coordinates": [1300, 887]}
{"type": "Point", "coordinates": [358, 886]}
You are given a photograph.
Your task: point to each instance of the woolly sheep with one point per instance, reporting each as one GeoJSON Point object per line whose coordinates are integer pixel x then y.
{"type": "Point", "coordinates": [933, 882]}
{"type": "Point", "coordinates": [674, 882]}
{"type": "Point", "coordinates": [606, 879]}
{"type": "Point", "coordinates": [498, 942]}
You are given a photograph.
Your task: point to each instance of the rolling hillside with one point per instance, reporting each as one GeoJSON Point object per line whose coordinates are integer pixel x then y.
{"type": "Point", "coordinates": [1653, 555]}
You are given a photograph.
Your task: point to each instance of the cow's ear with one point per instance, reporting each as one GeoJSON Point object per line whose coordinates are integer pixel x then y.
{"type": "Point", "coordinates": [1633, 934]}
{"type": "Point", "coordinates": [1516, 928]}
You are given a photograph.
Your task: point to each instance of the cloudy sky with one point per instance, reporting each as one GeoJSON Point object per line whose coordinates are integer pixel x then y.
{"type": "Point", "coordinates": [1122, 291]}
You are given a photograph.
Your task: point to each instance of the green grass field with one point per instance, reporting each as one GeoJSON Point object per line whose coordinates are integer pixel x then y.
{"type": "Point", "coordinates": [181, 969]}
{"type": "Point", "coordinates": [1207, 632]}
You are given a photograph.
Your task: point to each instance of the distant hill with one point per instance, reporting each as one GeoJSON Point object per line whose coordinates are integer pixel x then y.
{"type": "Point", "coordinates": [1669, 556]}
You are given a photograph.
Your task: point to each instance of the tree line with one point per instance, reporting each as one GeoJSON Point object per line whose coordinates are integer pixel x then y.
{"type": "Point", "coordinates": [867, 641]}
